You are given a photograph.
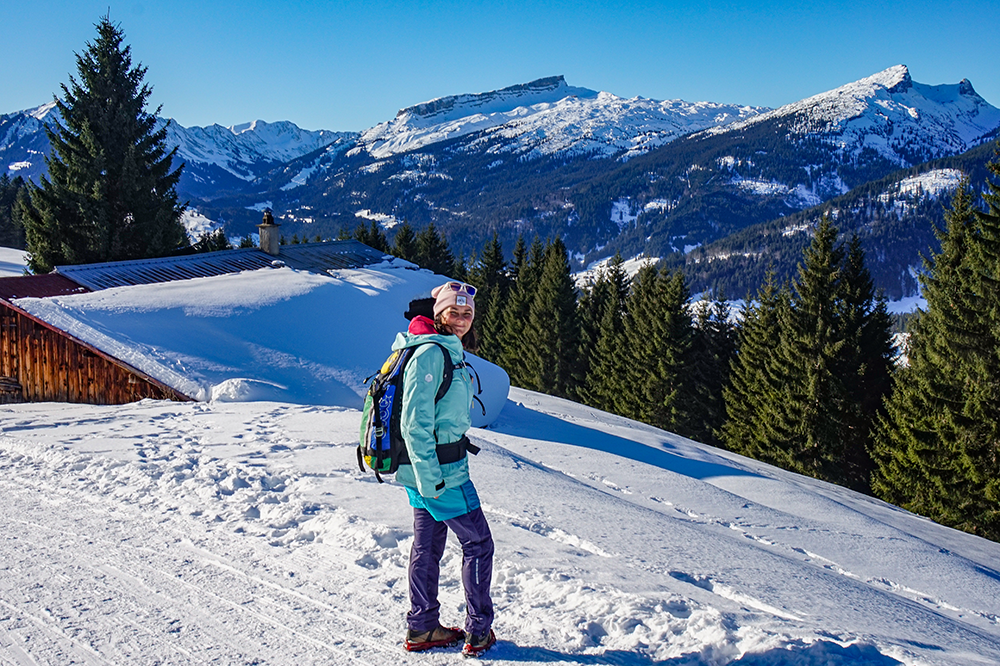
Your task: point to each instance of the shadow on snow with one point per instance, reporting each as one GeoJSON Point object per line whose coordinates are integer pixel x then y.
{"type": "Point", "coordinates": [520, 421]}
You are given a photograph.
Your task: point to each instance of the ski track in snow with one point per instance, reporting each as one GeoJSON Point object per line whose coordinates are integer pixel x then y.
{"type": "Point", "coordinates": [167, 533]}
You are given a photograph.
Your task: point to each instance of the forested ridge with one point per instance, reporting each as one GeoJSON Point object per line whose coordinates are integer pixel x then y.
{"type": "Point", "coordinates": [807, 377]}
{"type": "Point", "coordinates": [896, 231]}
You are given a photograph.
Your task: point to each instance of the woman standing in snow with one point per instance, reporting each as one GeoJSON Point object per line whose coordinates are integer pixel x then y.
{"type": "Point", "coordinates": [437, 475]}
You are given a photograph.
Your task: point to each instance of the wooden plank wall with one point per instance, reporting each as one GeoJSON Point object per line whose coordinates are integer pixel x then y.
{"type": "Point", "coordinates": [50, 365]}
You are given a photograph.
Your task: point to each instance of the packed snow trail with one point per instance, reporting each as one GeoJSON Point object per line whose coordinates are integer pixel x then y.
{"type": "Point", "coordinates": [244, 533]}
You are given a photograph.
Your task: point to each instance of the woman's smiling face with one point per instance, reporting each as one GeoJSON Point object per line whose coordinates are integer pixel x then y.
{"type": "Point", "coordinates": [458, 319]}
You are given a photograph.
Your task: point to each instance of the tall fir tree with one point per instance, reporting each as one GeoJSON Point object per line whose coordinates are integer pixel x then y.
{"type": "Point", "coordinates": [866, 365]}
{"type": "Point", "coordinates": [551, 332]}
{"type": "Point", "coordinates": [11, 229]}
{"type": "Point", "coordinates": [811, 418]}
{"type": "Point", "coordinates": [755, 386]}
{"type": "Point", "coordinates": [812, 370]}
{"type": "Point", "coordinates": [712, 349]}
{"type": "Point", "coordinates": [372, 235]}
{"type": "Point", "coordinates": [602, 338]}
{"type": "Point", "coordinates": [658, 336]}
{"type": "Point", "coordinates": [110, 192]}
{"type": "Point", "coordinates": [915, 442]}
{"type": "Point", "coordinates": [460, 270]}
{"type": "Point", "coordinates": [213, 241]}
{"type": "Point", "coordinates": [526, 269]}
{"type": "Point", "coordinates": [937, 449]}
{"type": "Point", "coordinates": [489, 275]}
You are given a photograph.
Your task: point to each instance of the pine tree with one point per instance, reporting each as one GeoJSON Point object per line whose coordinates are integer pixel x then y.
{"type": "Point", "coordinates": [552, 331]}
{"type": "Point", "coordinates": [433, 252]}
{"type": "Point", "coordinates": [404, 244]}
{"type": "Point", "coordinates": [603, 338]}
{"type": "Point", "coordinates": [460, 269]}
{"type": "Point", "coordinates": [866, 364]}
{"type": "Point", "coordinates": [372, 235]}
{"type": "Point", "coordinates": [489, 276]}
{"type": "Point", "coordinates": [526, 269]}
{"type": "Point", "coordinates": [754, 385]}
{"type": "Point", "coordinates": [590, 310]}
{"type": "Point", "coordinates": [658, 335]}
{"type": "Point", "coordinates": [811, 419]}
{"type": "Point", "coordinates": [712, 349]}
{"type": "Point", "coordinates": [212, 241]}
{"type": "Point", "coordinates": [937, 449]}
{"type": "Point", "coordinates": [110, 192]}
{"type": "Point", "coordinates": [11, 229]}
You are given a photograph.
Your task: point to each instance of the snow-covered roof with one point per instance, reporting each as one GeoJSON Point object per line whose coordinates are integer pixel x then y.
{"type": "Point", "coordinates": [315, 257]}
{"type": "Point", "coordinates": [281, 333]}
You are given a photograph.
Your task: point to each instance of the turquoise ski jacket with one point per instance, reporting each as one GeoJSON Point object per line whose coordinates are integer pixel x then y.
{"type": "Point", "coordinates": [424, 424]}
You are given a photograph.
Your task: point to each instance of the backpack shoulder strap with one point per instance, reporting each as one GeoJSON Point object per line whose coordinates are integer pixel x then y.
{"type": "Point", "coordinates": [446, 374]}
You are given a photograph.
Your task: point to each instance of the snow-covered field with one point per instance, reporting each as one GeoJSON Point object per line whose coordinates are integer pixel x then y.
{"type": "Point", "coordinates": [238, 533]}
{"type": "Point", "coordinates": [244, 533]}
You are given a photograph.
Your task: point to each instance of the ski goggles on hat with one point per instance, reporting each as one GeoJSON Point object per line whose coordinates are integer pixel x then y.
{"type": "Point", "coordinates": [461, 286]}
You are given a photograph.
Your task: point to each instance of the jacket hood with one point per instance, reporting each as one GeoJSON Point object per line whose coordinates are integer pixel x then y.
{"type": "Point", "coordinates": [421, 325]}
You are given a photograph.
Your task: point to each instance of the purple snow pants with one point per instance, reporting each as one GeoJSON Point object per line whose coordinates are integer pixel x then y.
{"type": "Point", "coordinates": [429, 539]}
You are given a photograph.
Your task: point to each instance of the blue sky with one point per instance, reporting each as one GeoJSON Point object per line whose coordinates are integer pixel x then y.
{"type": "Point", "coordinates": [349, 65]}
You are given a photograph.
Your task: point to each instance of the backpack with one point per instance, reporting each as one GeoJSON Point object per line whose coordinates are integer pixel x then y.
{"type": "Point", "coordinates": [382, 447]}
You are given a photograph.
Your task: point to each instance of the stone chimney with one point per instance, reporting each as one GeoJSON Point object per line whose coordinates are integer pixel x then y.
{"type": "Point", "coordinates": [269, 235]}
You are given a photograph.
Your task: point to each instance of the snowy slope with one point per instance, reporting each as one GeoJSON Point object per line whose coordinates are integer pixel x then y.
{"type": "Point", "coordinates": [904, 121]}
{"type": "Point", "coordinates": [243, 532]}
{"type": "Point", "coordinates": [548, 116]}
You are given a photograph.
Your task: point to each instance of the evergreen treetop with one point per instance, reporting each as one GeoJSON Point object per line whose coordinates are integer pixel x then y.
{"type": "Point", "coordinates": [551, 332]}
{"type": "Point", "coordinates": [110, 191]}
{"type": "Point", "coordinates": [404, 244]}
{"type": "Point", "coordinates": [433, 252]}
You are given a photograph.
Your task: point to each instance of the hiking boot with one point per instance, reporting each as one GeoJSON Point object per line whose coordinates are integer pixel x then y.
{"type": "Point", "coordinates": [476, 645]}
{"type": "Point", "coordinates": [437, 637]}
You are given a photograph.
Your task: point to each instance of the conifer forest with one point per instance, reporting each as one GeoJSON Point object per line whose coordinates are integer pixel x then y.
{"type": "Point", "coordinates": [807, 377]}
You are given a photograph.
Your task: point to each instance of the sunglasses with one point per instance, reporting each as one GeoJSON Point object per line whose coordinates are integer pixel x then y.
{"type": "Point", "coordinates": [461, 286]}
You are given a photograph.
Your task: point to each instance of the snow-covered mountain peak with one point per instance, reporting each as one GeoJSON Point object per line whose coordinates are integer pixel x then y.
{"type": "Point", "coordinates": [895, 79]}
{"type": "Point", "coordinates": [237, 148]}
{"type": "Point", "coordinates": [443, 109]}
{"type": "Point", "coordinates": [246, 127]}
{"type": "Point", "coordinates": [547, 116]}
{"type": "Point", "coordinates": [41, 112]}
{"type": "Point", "coordinates": [240, 150]}
{"type": "Point", "coordinates": [903, 120]}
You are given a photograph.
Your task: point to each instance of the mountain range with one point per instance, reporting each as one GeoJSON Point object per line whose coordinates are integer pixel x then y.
{"type": "Point", "coordinates": [607, 174]}
{"type": "Point", "coordinates": [216, 158]}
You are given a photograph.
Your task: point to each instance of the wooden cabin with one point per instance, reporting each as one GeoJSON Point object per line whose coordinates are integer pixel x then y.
{"type": "Point", "coordinates": [41, 363]}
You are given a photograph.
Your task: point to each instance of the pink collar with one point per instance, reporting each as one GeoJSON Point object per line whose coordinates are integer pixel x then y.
{"type": "Point", "coordinates": [421, 325]}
